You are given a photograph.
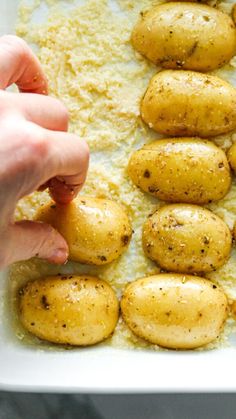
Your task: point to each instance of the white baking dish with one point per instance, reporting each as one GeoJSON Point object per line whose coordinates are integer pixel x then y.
{"type": "Point", "coordinates": [104, 369]}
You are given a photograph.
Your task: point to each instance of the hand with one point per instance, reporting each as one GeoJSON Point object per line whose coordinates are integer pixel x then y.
{"type": "Point", "coordinates": [36, 152]}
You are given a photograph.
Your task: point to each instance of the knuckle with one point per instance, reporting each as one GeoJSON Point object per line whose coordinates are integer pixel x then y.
{"type": "Point", "coordinates": [64, 114]}
{"type": "Point", "coordinates": [34, 144]}
{"type": "Point", "coordinates": [85, 152]}
{"type": "Point", "coordinates": [17, 44]}
{"type": "Point", "coordinates": [38, 147]}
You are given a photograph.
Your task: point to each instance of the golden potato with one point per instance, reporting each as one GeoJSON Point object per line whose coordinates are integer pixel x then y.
{"type": "Point", "coordinates": [69, 309]}
{"type": "Point", "coordinates": [175, 311]}
{"type": "Point", "coordinates": [233, 309]}
{"type": "Point", "coordinates": [187, 103]}
{"type": "Point", "coordinates": [181, 170]}
{"type": "Point", "coordinates": [97, 231]}
{"type": "Point", "coordinates": [185, 35]}
{"type": "Point", "coordinates": [186, 238]}
{"type": "Point", "coordinates": [234, 13]}
{"type": "Point", "coordinates": [234, 236]}
{"type": "Point", "coordinates": [232, 157]}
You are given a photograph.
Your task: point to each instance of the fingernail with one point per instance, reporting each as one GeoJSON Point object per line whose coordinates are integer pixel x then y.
{"type": "Point", "coordinates": [59, 256]}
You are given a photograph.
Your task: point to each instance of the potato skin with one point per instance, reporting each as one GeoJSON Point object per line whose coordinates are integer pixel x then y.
{"type": "Point", "coordinates": [186, 103]}
{"type": "Point", "coordinates": [234, 13]}
{"type": "Point", "coordinates": [185, 35]}
{"type": "Point", "coordinates": [232, 157]}
{"type": "Point", "coordinates": [175, 311]}
{"type": "Point", "coordinates": [69, 309]}
{"type": "Point", "coordinates": [181, 170]}
{"type": "Point", "coordinates": [186, 238]}
{"type": "Point", "coordinates": [97, 231]}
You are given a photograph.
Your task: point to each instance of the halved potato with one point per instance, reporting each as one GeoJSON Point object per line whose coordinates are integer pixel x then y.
{"type": "Point", "coordinates": [175, 311]}
{"type": "Point", "coordinates": [69, 309]}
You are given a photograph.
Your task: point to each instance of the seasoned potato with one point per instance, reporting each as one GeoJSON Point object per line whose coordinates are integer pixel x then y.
{"type": "Point", "coordinates": [186, 238]}
{"type": "Point", "coordinates": [234, 13]}
{"type": "Point", "coordinates": [185, 35]}
{"type": "Point", "coordinates": [97, 231]}
{"type": "Point", "coordinates": [233, 309]}
{"type": "Point", "coordinates": [175, 311]}
{"type": "Point", "coordinates": [186, 103]}
{"type": "Point", "coordinates": [234, 236]}
{"type": "Point", "coordinates": [181, 170]}
{"type": "Point", "coordinates": [232, 157]}
{"type": "Point", "coordinates": [75, 310]}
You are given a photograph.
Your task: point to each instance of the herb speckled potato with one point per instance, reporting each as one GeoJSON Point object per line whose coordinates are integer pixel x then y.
{"type": "Point", "coordinates": [97, 230]}
{"type": "Point", "coordinates": [232, 157]}
{"type": "Point", "coordinates": [181, 170]}
{"type": "Point", "coordinates": [187, 103]}
{"type": "Point", "coordinates": [185, 35]}
{"type": "Point", "coordinates": [234, 13]}
{"type": "Point", "coordinates": [175, 311]}
{"type": "Point", "coordinates": [186, 238]}
{"type": "Point", "coordinates": [69, 309]}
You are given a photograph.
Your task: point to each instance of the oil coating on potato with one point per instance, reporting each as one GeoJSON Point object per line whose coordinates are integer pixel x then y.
{"type": "Point", "coordinates": [185, 35]}
{"type": "Point", "coordinates": [97, 231]}
{"type": "Point", "coordinates": [232, 157]}
{"type": "Point", "coordinates": [69, 309]}
{"type": "Point", "coordinates": [186, 238]}
{"type": "Point", "coordinates": [187, 103]}
{"type": "Point", "coordinates": [181, 170]}
{"type": "Point", "coordinates": [234, 232]}
{"type": "Point", "coordinates": [234, 13]}
{"type": "Point", "coordinates": [175, 311]}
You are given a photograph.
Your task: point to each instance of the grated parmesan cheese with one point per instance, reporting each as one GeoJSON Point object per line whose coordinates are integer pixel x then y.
{"type": "Point", "coordinates": [92, 68]}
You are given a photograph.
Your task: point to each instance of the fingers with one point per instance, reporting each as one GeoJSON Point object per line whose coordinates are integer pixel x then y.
{"type": "Point", "coordinates": [69, 157]}
{"type": "Point", "coordinates": [32, 156]}
{"type": "Point", "coordinates": [48, 112]}
{"type": "Point", "coordinates": [19, 65]}
{"type": "Point", "coordinates": [27, 239]}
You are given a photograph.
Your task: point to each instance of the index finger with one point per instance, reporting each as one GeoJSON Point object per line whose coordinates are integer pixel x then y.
{"type": "Point", "coordinates": [19, 65]}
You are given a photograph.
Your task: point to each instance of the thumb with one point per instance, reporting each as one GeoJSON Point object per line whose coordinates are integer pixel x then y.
{"type": "Point", "coordinates": [29, 239]}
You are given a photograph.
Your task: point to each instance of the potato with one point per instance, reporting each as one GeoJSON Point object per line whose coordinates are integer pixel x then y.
{"type": "Point", "coordinates": [186, 238]}
{"type": "Point", "coordinates": [234, 13]}
{"type": "Point", "coordinates": [185, 35]}
{"type": "Point", "coordinates": [232, 157]}
{"type": "Point", "coordinates": [97, 231]}
{"type": "Point", "coordinates": [181, 170]}
{"type": "Point", "coordinates": [233, 309]}
{"type": "Point", "coordinates": [234, 236]}
{"type": "Point", "coordinates": [69, 309]}
{"type": "Point", "coordinates": [175, 311]}
{"type": "Point", "coordinates": [186, 103]}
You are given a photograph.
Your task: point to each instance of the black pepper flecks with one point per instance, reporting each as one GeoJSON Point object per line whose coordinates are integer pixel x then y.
{"type": "Point", "coordinates": [102, 258]}
{"type": "Point", "coordinates": [44, 302]}
{"type": "Point", "coordinates": [147, 174]}
{"type": "Point", "coordinates": [153, 189]}
{"type": "Point", "coordinates": [125, 239]}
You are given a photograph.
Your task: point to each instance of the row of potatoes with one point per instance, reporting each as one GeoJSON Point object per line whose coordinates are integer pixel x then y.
{"type": "Point", "coordinates": [181, 102]}
{"type": "Point", "coordinates": [174, 310]}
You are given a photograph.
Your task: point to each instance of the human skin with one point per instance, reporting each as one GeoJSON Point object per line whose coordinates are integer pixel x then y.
{"type": "Point", "coordinates": [36, 152]}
